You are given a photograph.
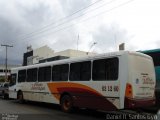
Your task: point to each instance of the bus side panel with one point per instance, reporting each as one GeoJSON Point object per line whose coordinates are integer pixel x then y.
{"type": "Point", "coordinates": [12, 93]}
{"type": "Point", "coordinates": [83, 94]}
{"type": "Point", "coordinates": [38, 91]}
{"type": "Point", "coordinates": [107, 99]}
{"type": "Point", "coordinates": [123, 76]}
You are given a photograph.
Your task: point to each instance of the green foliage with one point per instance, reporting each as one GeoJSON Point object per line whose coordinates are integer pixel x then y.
{"type": "Point", "coordinates": [2, 78]}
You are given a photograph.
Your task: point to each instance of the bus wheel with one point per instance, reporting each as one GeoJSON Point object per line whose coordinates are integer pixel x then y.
{"type": "Point", "coordinates": [66, 103]}
{"type": "Point", "coordinates": [20, 97]}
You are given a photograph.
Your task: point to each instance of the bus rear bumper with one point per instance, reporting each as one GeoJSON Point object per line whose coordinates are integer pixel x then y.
{"type": "Point", "coordinates": [139, 103]}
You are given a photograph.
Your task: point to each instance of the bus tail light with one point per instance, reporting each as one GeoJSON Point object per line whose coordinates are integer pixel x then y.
{"type": "Point", "coordinates": [129, 92]}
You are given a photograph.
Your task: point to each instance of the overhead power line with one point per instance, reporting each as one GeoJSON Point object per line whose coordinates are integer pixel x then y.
{"type": "Point", "coordinates": [48, 27]}
{"type": "Point", "coordinates": [61, 19]}
{"type": "Point", "coordinates": [106, 11]}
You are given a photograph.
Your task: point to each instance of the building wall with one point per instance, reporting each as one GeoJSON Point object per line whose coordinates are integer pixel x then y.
{"type": "Point", "coordinates": [26, 56]}
{"type": "Point", "coordinates": [46, 53]}
{"type": "Point", "coordinates": [72, 53]}
{"type": "Point", "coordinates": [42, 53]}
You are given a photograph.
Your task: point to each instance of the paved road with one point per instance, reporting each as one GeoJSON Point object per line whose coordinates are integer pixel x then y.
{"type": "Point", "coordinates": [12, 110]}
{"type": "Point", "coordinates": [40, 111]}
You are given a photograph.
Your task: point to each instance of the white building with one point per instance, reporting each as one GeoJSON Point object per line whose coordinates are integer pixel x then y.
{"type": "Point", "coordinates": [33, 56]}
{"type": "Point", "coordinates": [47, 54]}
{"type": "Point", "coordinates": [73, 53]}
{"type": "Point", "coordinates": [42, 53]}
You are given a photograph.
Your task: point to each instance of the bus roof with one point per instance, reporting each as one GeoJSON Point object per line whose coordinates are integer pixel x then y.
{"type": "Point", "coordinates": [150, 51]}
{"type": "Point", "coordinates": [77, 59]}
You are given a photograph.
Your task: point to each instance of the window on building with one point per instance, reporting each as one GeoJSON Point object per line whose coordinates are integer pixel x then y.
{"type": "Point", "coordinates": [44, 74]}
{"type": "Point", "coordinates": [1, 70]}
{"type": "Point", "coordinates": [21, 76]}
{"type": "Point", "coordinates": [80, 71]}
{"type": "Point", "coordinates": [105, 69]}
{"type": "Point", "coordinates": [60, 72]}
{"type": "Point", "coordinates": [32, 75]}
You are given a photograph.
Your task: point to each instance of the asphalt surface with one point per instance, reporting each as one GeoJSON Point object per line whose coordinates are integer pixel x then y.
{"type": "Point", "coordinates": [12, 110]}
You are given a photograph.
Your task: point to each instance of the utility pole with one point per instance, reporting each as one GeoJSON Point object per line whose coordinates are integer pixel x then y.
{"type": "Point", "coordinates": [77, 42]}
{"type": "Point", "coordinates": [6, 78]}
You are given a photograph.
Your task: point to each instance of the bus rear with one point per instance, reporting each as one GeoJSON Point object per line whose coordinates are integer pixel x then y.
{"type": "Point", "coordinates": [155, 54]}
{"type": "Point", "coordinates": [140, 87]}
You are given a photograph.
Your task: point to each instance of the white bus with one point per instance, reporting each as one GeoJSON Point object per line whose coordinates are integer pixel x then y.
{"type": "Point", "coordinates": [111, 81]}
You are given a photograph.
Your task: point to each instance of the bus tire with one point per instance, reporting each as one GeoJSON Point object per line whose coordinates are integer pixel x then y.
{"type": "Point", "coordinates": [20, 97]}
{"type": "Point", "coordinates": [66, 103]}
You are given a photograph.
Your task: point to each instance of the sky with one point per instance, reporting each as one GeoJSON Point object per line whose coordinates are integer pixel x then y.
{"type": "Point", "coordinates": [78, 24]}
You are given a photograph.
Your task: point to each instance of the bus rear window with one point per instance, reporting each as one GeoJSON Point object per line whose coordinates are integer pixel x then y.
{"type": "Point", "coordinates": [105, 69]}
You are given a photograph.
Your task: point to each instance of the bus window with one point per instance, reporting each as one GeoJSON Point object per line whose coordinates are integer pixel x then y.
{"type": "Point", "coordinates": [13, 79]}
{"type": "Point", "coordinates": [105, 69]}
{"type": "Point", "coordinates": [32, 75]}
{"type": "Point", "coordinates": [80, 71]}
{"type": "Point", "coordinates": [21, 76]}
{"type": "Point", "coordinates": [44, 74]}
{"type": "Point", "coordinates": [60, 72]}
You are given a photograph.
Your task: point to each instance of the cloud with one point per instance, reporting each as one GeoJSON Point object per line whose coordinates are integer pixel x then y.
{"type": "Point", "coordinates": [22, 17]}
{"type": "Point", "coordinates": [70, 6]}
{"type": "Point", "coordinates": [136, 43]}
{"type": "Point", "coordinates": [109, 37]}
{"type": "Point", "coordinates": [19, 18]}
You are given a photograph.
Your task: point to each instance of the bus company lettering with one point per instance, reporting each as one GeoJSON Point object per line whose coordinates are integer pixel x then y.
{"type": "Point", "coordinates": [38, 86]}
{"type": "Point", "coordinates": [147, 80]}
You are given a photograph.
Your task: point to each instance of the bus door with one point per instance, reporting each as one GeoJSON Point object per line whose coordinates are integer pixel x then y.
{"type": "Point", "coordinates": [12, 86]}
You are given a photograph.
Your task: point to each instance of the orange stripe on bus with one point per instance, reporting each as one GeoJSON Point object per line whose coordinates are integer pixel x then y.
{"type": "Point", "coordinates": [53, 87]}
